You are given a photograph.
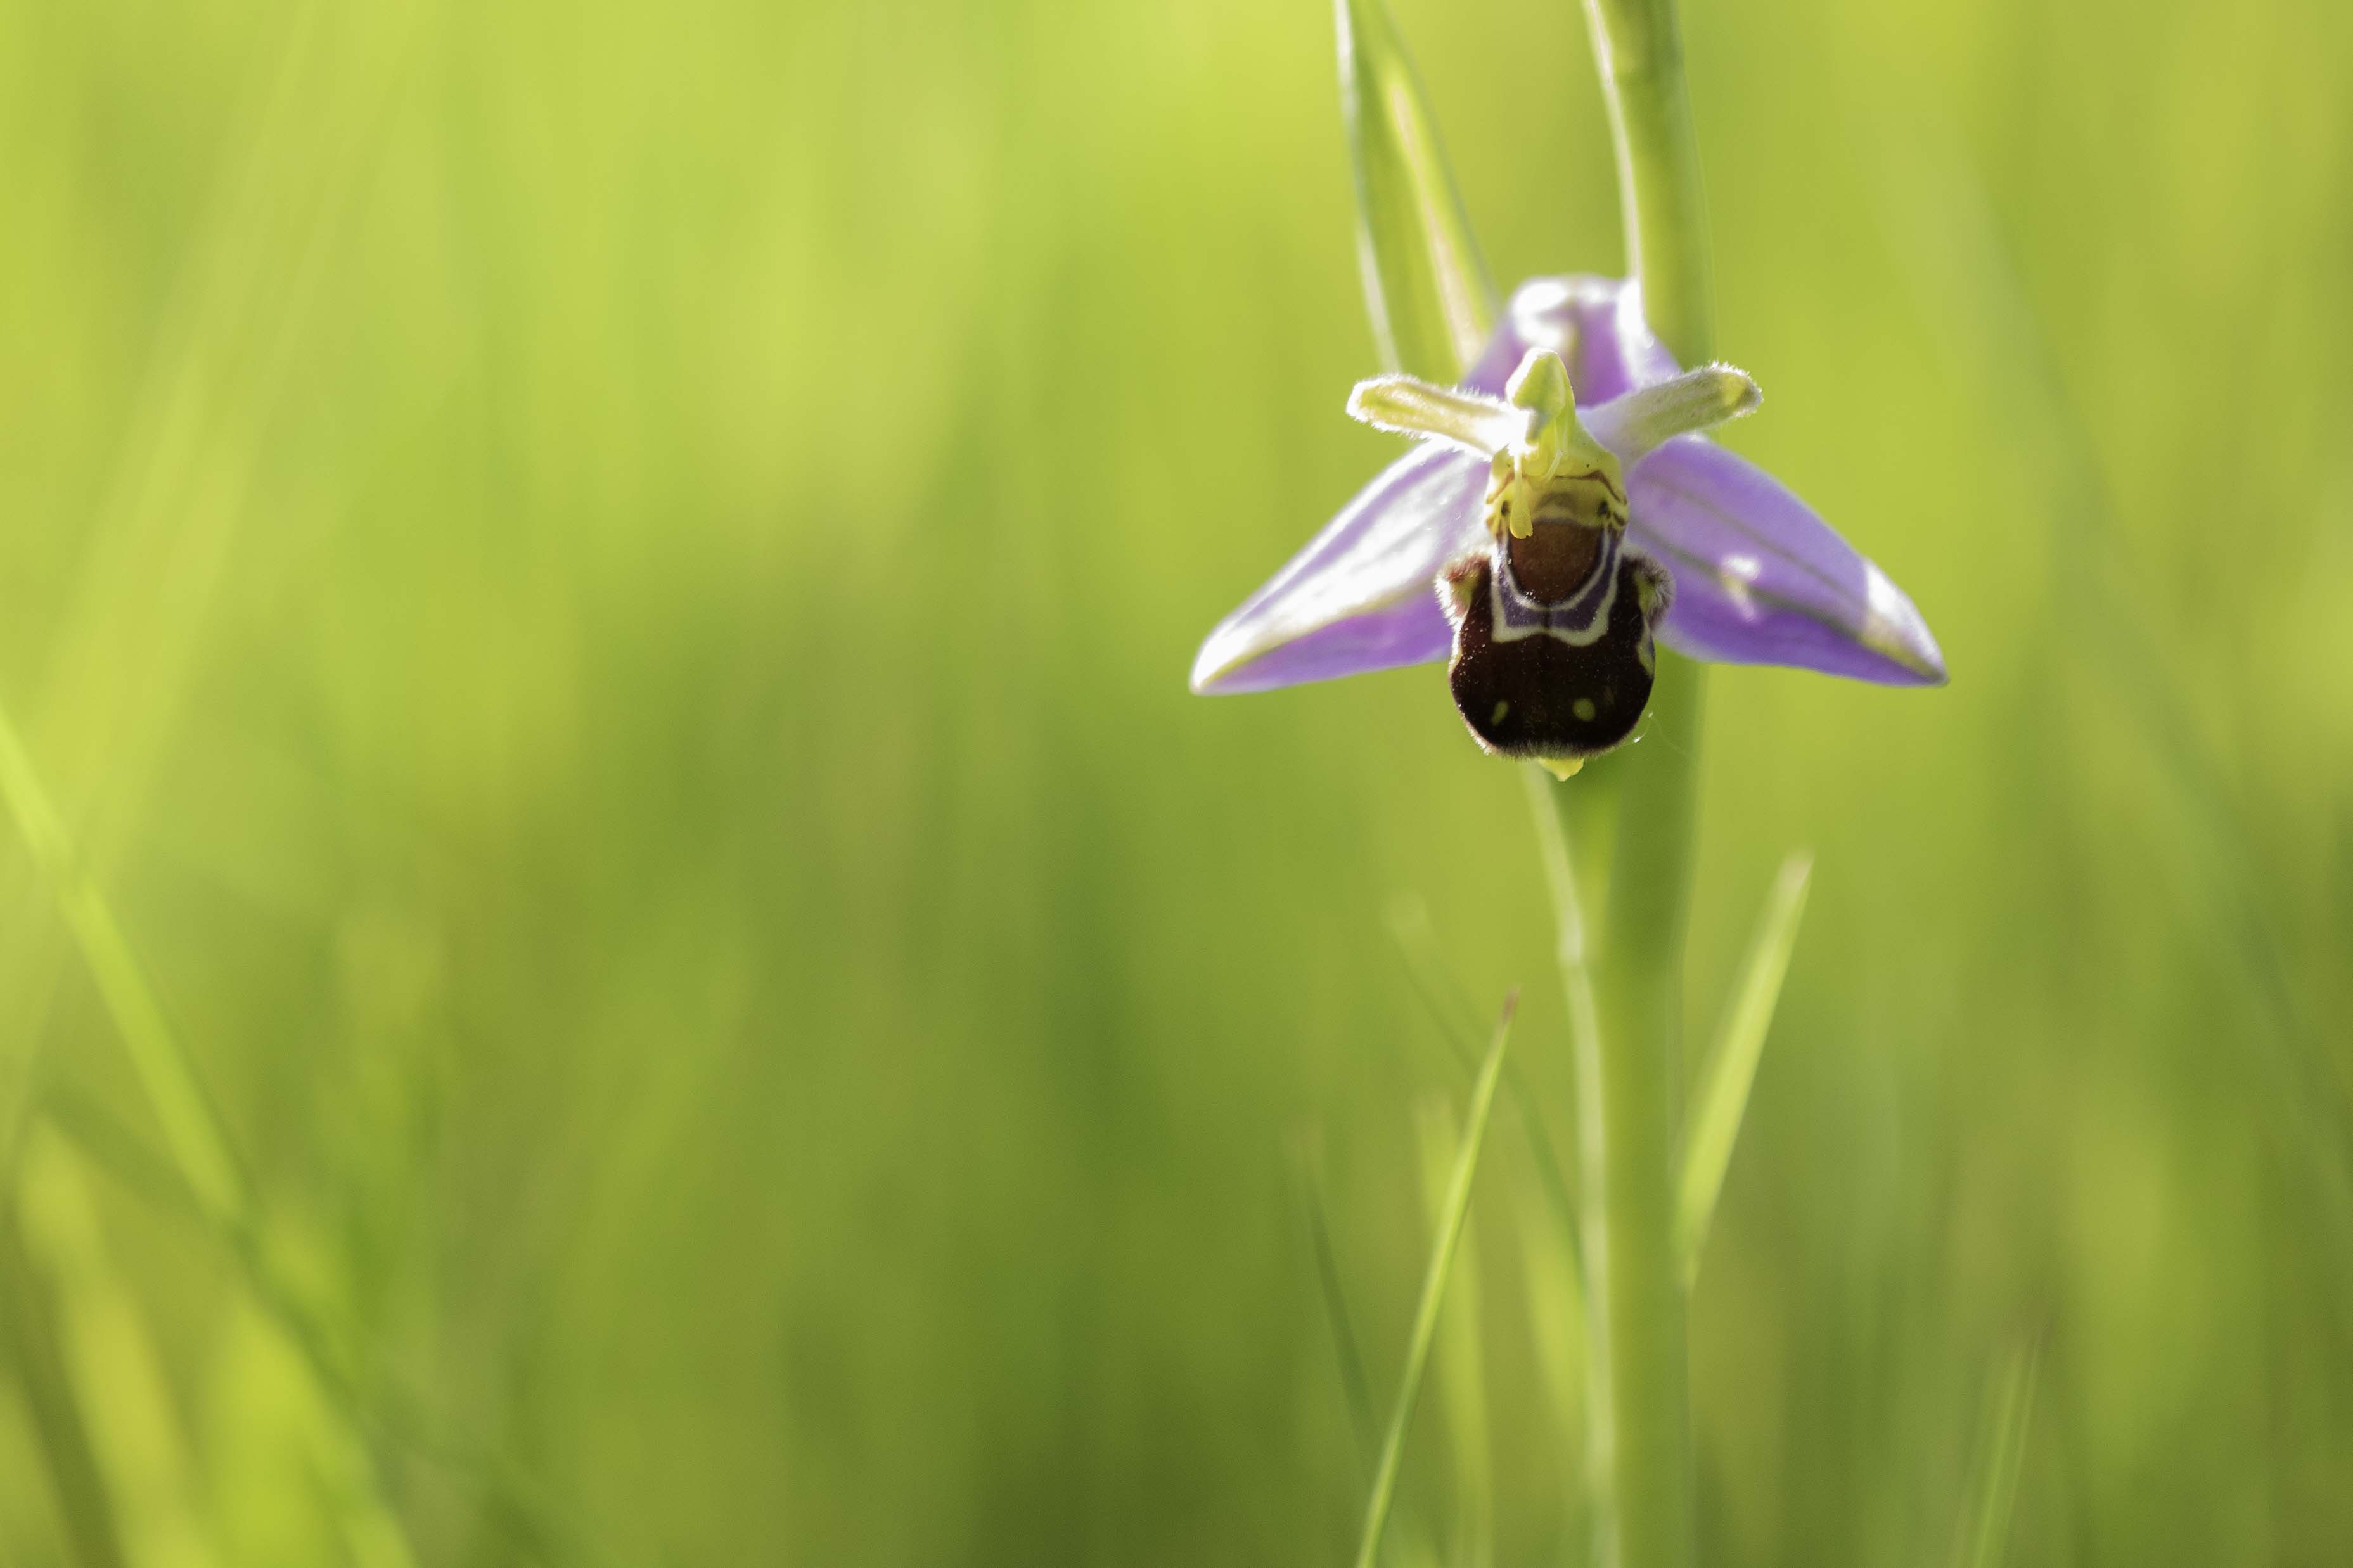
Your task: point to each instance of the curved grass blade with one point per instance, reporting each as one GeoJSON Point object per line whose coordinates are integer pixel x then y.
{"type": "Point", "coordinates": [2000, 1456]}
{"type": "Point", "coordinates": [1425, 286]}
{"type": "Point", "coordinates": [1433, 1289]}
{"type": "Point", "coordinates": [1459, 1021]}
{"type": "Point", "coordinates": [1731, 1069]}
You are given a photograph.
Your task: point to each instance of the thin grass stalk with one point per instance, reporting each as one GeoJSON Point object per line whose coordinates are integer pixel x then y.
{"type": "Point", "coordinates": [1721, 1100]}
{"type": "Point", "coordinates": [1433, 1292]}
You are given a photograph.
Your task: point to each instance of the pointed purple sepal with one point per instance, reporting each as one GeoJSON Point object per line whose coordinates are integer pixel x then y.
{"type": "Point", "coordinates": [1362, 595]}
{"type": "Point", "coordinates": [1761, 579]}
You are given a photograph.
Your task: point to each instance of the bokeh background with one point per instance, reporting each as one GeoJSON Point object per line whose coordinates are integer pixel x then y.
{"type": "Point", "coordinates": [602, 595]}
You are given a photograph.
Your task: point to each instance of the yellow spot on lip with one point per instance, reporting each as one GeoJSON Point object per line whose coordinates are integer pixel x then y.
{"type": "Point", "coordinates": [1583, 709]}
{"type": "Point", "coordinates": [1497, 716]}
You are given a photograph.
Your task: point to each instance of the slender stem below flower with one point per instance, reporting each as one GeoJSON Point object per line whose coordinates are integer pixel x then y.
{"type": "Point", "coordinates": [1621, 840]}
{"type": "Point", "coordinates": [1625, 1016]}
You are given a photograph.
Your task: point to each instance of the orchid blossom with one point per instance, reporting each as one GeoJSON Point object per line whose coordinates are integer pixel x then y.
{"type": "Point", "coordinates": [1566, 510]}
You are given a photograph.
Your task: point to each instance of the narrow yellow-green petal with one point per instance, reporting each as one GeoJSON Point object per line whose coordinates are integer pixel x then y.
{"type": "Point", "coordinates": [1724, 1084]}
{"type": "Point", "coordinates": [1409, 406]}
{"type": "Point", "coordinates": [1428, 291]}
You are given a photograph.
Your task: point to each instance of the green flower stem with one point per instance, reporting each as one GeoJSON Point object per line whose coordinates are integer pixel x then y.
{"type": "Point", "coordinates": [1641, 48]}
{"type": "Point", "coordinates": [1621, 837]}
{"type": "Point", "coordinates": [1624, 892]}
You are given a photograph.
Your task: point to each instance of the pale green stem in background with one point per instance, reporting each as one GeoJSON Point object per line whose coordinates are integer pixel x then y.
{"type": "Point", "coordinates": [1628, 818]}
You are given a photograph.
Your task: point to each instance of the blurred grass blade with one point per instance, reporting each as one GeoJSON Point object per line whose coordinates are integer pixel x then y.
{"type": "Point", "coordinates": [2001, 1455]}
{"type": "Point", "coordinates": [60, 1432]}
{"type": "Point", "coordinates": [1459, 1023]}
{"type": "Point", "coordinates": [1723, 1096]}
{"type": "Point", "coordinates": [1433, 1289]}
{"type": "Point", "coordinates": [1935, 203]}
{"type": "Point", "coordinates": [111, 1365]}
{"type": "Point", "coordinates": [164, 1070]}
{"type": "Point", "coordinates": [1426, 290]}
{"type": "Point", "coordinates": [291, 1477]}
{"type": "Point", "coordinates": [1555, 1302]}
{"type": "Point", "coordinates": [387, 1409]}
{"type": "Point", "coordinates": [204, 1162]}
{"type": "Point", "coordinates": [1462, 1369]}
{"type": "Point", "coordinates": [193, 444]}
{"type": "Point", "coordinates": [1307, 1167]}
{"type": "Point", "coordinates": [1426, 969]}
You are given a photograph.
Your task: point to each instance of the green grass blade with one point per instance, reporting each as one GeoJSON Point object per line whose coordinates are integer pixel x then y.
{"type": "Point", "coordinates": [2001, 1454]}
{"type": "Point", "coordinates": [1459, 1023]}
{"type": "Point", "coordinates": [61, 1431]}
{"type": "Point", "coordinates": [1723, 1096]}
{"type": "Point", "coordinates": [1425, 286]}
{"type": "Point", "coordinates": [1555, 1303]}
{"type": "Point", "coordinates": [111, 1365]}
{"type": "Point", "coordinates": [1433, 1290]}
{"type": "Point", "coordinates": [1462, 1352]}
{"type": "Point", "coordinates": [204, 1162]}
{"type": "Point", "coordinates": [164, 1070]}
{"type": "Point", "coordinates": [1307, 1167]}
{"type": "Point", "coordinates": [1936, 204]}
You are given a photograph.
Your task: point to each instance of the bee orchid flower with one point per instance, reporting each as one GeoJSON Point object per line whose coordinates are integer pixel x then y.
{"type": "Point", "coordinates": [1564, 511]}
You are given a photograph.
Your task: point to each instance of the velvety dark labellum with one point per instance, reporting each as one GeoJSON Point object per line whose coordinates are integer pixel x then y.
{"type": "Point", "coordinates": [1537, 696]}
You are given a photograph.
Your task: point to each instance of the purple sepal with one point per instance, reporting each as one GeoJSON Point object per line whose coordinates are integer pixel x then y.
{"type": "Point", "coordinates": [1362, 595]}
{"type": "Point", "coordinates": [1413, 631]}
{"type": "Point", "coordinates": [1761, 579]}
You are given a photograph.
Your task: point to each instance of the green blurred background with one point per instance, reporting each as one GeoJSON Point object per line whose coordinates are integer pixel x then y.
{"type": "Point", "coordinates": [605, 595]}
